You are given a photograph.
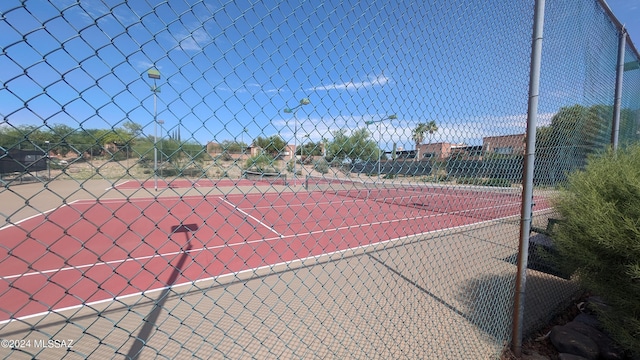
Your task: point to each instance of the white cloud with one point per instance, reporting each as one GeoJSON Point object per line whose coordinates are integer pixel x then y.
{"type": "Point", "coordinates": [377, 80]}
{"type": "Point", "coordinates": [248, 87]}
{"type": "Point", "coordinates": [142, 65]}
{"type": "Point", "coordinates": [194, 40]}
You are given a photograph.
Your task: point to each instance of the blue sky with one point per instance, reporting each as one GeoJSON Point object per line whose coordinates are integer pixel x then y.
{"type": "Point", "coordinates": [628, 13]}
{"type": "Point", "coordinates": [230, 68]}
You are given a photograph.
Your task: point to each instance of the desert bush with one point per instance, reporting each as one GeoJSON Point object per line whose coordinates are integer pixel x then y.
{"type": "Point", "coordinates": [261, 163]}
{"type": "Point", "coordinates": [321, 166]}
{"type": "Point", "coordinates": [598, 238]}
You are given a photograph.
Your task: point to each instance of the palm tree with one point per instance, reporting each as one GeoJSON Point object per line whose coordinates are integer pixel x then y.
{"type": "Point", "coordinates": [431, 128]}
{"type": "Point", "coordinates": [418, 137]}
{"type": "Point", "coordinates": [418, 134]}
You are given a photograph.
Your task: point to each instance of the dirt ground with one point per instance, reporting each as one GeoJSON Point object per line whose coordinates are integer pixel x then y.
{"type": "Point", "coordinates": [132, 169]}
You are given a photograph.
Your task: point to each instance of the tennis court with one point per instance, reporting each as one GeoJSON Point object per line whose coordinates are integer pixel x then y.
{"type": "Point", "coordinates": [90, 251]}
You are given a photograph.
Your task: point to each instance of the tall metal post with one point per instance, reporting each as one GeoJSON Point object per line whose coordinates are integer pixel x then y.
{"type": "Point", "coordinates": [527, 179]}
{"type": "Point", "coordinates": [304, 101]}
{"type": "Point", "coordinates": [295, 146]}
{"type": "Point", "coordinates": [379, 150]}
{"type": "Point", "coordinates": [390, 117]}
{"type": "Point", "coordinates": [615, 128]}
{"type": "Point", "coordinates": [48, 158]}
{"type": "Point", "coordinates": [155, 75]}
{"type": "Point", "coordinates": [161, 122]}
{"type": "Point", "coordinates": [155, 138]}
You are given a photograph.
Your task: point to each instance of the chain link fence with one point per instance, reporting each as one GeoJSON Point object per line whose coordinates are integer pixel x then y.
{"type": "Point", "coordinates": [203, 179]}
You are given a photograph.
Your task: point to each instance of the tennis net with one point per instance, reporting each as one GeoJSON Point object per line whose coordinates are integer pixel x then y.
{"type": "Point", "coordinates": [264, 177]}
{"type": "Point", "coordinates": [476, 201]}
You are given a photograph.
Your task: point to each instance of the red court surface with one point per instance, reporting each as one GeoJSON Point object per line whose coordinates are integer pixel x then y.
{"type": "Point", "coordinates": [91, 251]}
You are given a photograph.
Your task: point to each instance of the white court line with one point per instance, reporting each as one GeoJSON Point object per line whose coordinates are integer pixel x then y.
{"type": "Point", "coordinates": [251, 217]}
{"type": "Point", "coordinates": [116, 185]}
{"type": "Point", "coordinates": [252, 270]}
{"type": "Point", "coordinates": [113, 201]}
{"type": "Point", "coordinates": [280, 236]}
{"type": "Point", "coordinates": [40, 214]}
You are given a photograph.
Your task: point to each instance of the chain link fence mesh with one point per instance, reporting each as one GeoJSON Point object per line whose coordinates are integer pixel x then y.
{"type": "Point", "coordinates": [204, 179]}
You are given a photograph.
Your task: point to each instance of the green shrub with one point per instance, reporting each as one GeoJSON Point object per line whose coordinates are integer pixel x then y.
{"type": "Point", "coordinates": [321, 166]}
{"type": "Point", "coordinates": [117, 156]}
{"type": "Point", "coordinates": [261, 163]}
{"type": "Point", "coordinates": [598, 238]}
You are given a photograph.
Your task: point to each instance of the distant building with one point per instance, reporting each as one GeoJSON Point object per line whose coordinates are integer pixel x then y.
{"type": "Point", "coordinates": [401, 154]}
{"type": "Point", "coordinates": [438, 151]}
{"type": "Point", "coordinates": [289, 152]}
{"type": "Point", "coordinates": [214, 148]}
{"type": "Point", "coordinates": [504, 145]}
{"type": "Point", "coordinates": [469, 152]}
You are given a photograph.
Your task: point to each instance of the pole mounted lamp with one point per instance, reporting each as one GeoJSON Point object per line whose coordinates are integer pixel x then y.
{"type": "Point", "coordinates": [303, 101]}
{"type": "Point", "coordinates": [377, 122]}
{"type": "Point", "coordinates": [155, 75]}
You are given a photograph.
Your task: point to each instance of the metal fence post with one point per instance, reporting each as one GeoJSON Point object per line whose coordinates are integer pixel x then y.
{"type": "Point", "coordinates": [527, 178]}
{"type": "Point", "coordinates": [615, 128]}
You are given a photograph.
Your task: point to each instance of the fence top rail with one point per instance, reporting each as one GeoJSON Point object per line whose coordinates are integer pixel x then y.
{"type": "Point", "coordinates": [620, 27]}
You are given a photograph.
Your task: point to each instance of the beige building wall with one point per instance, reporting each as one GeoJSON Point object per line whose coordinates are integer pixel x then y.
{"type": "Point", "coordinates": [505, 145]}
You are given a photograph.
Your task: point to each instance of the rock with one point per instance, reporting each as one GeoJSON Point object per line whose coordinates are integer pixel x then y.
{"type": "Point", "coordinates": [569, 341]}
{"type": "Point", "coordinates": [607, 347]}
{"type": "Point", "coordinates": [565, 356]}
{"type": "Point", "coordinates": [589, 319]}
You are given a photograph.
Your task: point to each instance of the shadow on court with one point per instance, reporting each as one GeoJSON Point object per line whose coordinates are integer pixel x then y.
{"type": "Point", "coordinates": [151, 319]}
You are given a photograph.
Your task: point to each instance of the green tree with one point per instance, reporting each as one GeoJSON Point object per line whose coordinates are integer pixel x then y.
{"type": "Point", "coordinates": [25, 137]}
{"type": "Point", "coordinates": [233, 147]}
{"type": "Point", "coordinates": [261, 163]}
{"type": "Point", "coordinates": [132, 128]}
{"type": "Point", "coordinates": [431, 127]}
{"type": "Point", "coordinates": [418, 137]}
{"type": "Point", "coordinates": [357, 146]}
{"type": "Point", "coordinates": [59, 139]}
{"type": "Point", "coordinates": [13, 137]}
{"type": "Point", "coordinates": [310, 149]}
{"type": "Point", "coordinates": [272, 145]}
{"type": "Point", "coordinates": [575, 132]}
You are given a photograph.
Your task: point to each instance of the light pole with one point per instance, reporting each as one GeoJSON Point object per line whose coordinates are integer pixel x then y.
{"type": "Point", "coordinates": [48, 160]}
{"type": "Point", "coordinates": [377, 122]}
{"type": "Point", "coordinates": [155, 75]}
{"type": "Point", "coordinates": [302, 145]}
{"type": "Point", "coordinates": [303, 101]}
{"type": "Point", "coordinates": [161, 122]}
